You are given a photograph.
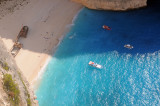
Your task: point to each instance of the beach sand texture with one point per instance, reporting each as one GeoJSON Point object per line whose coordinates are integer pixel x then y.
{"type": "Point", "coordinates": [47, 21]}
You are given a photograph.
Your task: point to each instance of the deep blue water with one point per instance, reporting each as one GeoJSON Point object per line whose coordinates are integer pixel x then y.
{"type": "Point", "coordinates": [128, 77]}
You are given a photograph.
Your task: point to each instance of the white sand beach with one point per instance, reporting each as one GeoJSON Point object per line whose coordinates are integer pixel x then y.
{"type": "Point", "coordinates": [47, 21]}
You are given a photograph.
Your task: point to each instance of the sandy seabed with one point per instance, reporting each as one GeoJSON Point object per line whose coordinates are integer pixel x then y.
{"type": "Point", "coordinates": [47, 21]}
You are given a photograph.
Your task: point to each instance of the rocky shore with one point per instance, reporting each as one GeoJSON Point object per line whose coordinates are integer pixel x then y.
{"type": "Point", "coordinates": [115, 5]}
{"type": "Point", "coordinates": [8, 66]}
{"type": "Point", "coordinates": [48, 22]}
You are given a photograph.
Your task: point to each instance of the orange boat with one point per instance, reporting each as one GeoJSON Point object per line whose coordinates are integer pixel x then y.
{"type": "Point", "coordinates": [106, 27]}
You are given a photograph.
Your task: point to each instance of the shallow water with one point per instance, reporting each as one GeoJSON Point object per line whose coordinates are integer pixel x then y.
{"type": "Point", "coordinates": [128, 77]}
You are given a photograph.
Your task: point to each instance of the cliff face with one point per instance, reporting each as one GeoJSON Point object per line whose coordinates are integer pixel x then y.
{"type": "Point", "coordinates": [8, 66]}
{"type": "Point", "coordinates": [4, 101]}
{"type": "Point", "coordinates": [116, 5]}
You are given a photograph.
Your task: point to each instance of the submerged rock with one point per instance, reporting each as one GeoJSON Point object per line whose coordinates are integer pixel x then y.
{"type": "Point", "coordinates": [116, 5]}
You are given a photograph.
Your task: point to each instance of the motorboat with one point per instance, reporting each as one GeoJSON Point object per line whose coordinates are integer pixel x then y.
{"type": "Point", "coordinates": [128, 46]}
{"type": "Point", "coordinates": [95, 65]}
{"type": "Point", "coordinates": [106, 27]}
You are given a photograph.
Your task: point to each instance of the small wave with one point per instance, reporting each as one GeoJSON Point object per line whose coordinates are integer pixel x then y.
{"type": "Point", "coordinates": [37, 79]}
{"type": "Point", "coordinates": [75, 17]}
{"type": "Point", "coordinates": [71, 37]}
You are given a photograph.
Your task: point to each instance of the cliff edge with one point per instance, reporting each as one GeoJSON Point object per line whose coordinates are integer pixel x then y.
{"type": "Point", "coordinates": [14, 88]}
{"type": "Point", "coordinates": [116, 5]}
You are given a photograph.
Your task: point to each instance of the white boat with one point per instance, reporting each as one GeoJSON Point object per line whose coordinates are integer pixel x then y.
{"type": "Point", "coordinates": [94, 65]}
{"type": "Point", "coordinates": [128, 46]}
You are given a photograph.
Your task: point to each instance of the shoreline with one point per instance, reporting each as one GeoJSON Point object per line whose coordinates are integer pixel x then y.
{"type": "Point", "coordinates": [46, 30]}
{"type": "Point", "coordinates": [37, 79]}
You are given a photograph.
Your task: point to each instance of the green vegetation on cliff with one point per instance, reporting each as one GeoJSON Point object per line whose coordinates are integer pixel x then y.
{"type": "Point", "coordinates": [27, 93]}
{"type": "Point", "coordinates": [4, 65]}
{"type": "Point", "coordinates": [12, 89]}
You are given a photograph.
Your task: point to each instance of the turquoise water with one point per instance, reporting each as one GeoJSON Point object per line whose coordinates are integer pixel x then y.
{"type": "Point", "coordinates": [128, 77]}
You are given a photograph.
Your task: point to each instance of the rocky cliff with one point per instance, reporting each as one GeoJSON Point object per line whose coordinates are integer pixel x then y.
{"type": "Point", "coordinates": [8, 67]}
{"type": "Point", "coordinates": [116, 5]}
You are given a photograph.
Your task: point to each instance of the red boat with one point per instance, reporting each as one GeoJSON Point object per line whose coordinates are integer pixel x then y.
{"type": "Point", "coordinates": [106, 27]}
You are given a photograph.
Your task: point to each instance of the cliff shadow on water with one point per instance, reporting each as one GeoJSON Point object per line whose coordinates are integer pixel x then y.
{"type": "Point", "coordinates": [139, 28]}
{"type": "Point", "coordinates": [152, 3]}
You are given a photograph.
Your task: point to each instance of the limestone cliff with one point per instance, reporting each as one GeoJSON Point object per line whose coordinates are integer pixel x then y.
{"type": "Point", "coordinates": [116, 5]}
{"type": "Point", "coordinates": [8, 66]}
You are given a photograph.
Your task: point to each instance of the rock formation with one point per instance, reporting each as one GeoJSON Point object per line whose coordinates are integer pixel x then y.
{"type": "Point", "coordinates": [116, 5]}
{"type": "Point", "coordinates": [26, 95]}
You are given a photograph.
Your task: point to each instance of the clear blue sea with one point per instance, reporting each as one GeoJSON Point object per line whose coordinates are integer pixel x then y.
{"type": "Point", "coordinates": [128, 77]}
